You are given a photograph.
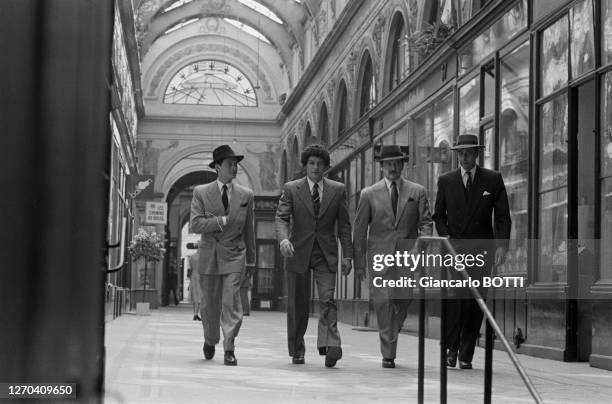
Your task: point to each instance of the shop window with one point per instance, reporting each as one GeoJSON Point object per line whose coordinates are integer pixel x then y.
{"type": "Point", "coordinates": [553, 182]}
{"type": "Point", "coordinates": [582, 38]}
{"type": "Point", "coordinates": [423, 134]}
{"type": "Point", "coordinates": [501, 32]}
{"type": "Point", "coordinates": [442, 140]}
{"type": "Point", "coordinates": [606, 31]}
{"type": "Point", "coordinates": [606, 175]}
{"type": "Point", "coordinates": [265, 267]}
{"type": "Point", "coordinates": [469, 107]}
{"type": "Point", "coordinates": [554, 52]}
{"type": "Point", "coordinates": [514, 151]}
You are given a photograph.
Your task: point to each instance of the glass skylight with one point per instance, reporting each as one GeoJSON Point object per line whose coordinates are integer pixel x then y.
{"type": "Point", "coordinates": [210, 82]}
{"type": "Point", "coordinates": [248, 29]}
{"type": "Point", "coordinates": [262, 10]}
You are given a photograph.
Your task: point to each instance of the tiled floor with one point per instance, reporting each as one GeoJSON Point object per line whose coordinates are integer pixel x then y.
{"type": "Point", "coordinates": [158, 359]}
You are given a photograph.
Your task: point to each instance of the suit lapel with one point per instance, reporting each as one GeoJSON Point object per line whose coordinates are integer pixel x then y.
{"type": "Point", "coordinates": [404, 194]}
{"type": "Point", "coordinates": [303, 191]}
{"type": "Point", "coordinates": [235, 199]}
{"type": "Point", "coordinates": [214, 197]}
{"type": "Point", "coordinates": [328, 195]}
{"type": "Point", "coordinates": [475, 194]}
{"type": "Point", "coordinates": [385, 198]}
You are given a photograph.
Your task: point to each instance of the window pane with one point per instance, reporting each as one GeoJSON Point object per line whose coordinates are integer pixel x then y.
{"type": "Point", "coordinates": [469, 107]}
{"type": "Point", "coordinates": [369, 166]}
{"type": "Point", "coordinates": [554, 57]}
{"type": "Point", "coordinates": [265, 280]}
{"type": "Point", "coordinates": [266, 230]}
{"type": "Point", "coordinates": [489, 91]}
{"type": "Point", "coordinates": [553, 143]}
{"type": "Point", "coordinates": [583, 42]}
{"type": "Point", "coordinates": [489, 150]}
{"type": "Point", "coordinates": [514, 151]}
{"type": "Point", "coordinates": [504, 29]}
{"type": "Point", "coordinates": [422, 155]}
{"type": "Point", "coordinates": [606, 228]}
{"type": "Point", "coordinates": [265, 255]}
{"type": "Point", "coordinates": [606, 31]}
{"type": "Point", "coordinates": [553, 236]}
{"type": "Point", "coordinates": [442, 134]}
{"type": "Point", "coordinates": [606, 125]}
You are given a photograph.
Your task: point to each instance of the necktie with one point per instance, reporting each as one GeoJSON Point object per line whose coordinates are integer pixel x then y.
{"type": "Point", "coordinates": [316, 200]}
{"type": "Point", "coordinates": [225, 200]}
{"type": "Point", "coordinates": [468, 183]}
{"type": "Point", "coordinates": [394, 197]}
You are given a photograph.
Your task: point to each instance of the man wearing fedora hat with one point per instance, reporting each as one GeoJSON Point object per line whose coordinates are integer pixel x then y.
{"type": "Point", "coordinates": [472, 209]}
{"type": "Point", "coordinates": [222, 212]}
{"type": "Point", "coordinates": [311, 217]}
{"type": "Point", "coordinates": [391, 214]}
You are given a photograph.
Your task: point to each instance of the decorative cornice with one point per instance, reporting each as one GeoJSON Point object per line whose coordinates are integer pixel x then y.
{"type": "Point", "coordinates": [131, 47]}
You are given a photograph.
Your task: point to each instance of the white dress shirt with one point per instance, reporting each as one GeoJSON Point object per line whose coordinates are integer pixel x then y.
{"type": "Point", "coordinates": [464, 174]}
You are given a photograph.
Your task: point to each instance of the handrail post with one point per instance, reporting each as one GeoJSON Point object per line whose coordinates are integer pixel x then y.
{"type": "Point", "coordinates": [443, 343]}
{"type": "Point", "coordinates": [421, 371]}
{"type": "Point", "coordinates": [488, 373]}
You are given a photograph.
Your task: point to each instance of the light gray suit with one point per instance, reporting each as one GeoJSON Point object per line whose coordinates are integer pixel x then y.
{"type": "Point", "coordinates": [377, 230]}
{"type": "Point", "coordinates": [224, 252]}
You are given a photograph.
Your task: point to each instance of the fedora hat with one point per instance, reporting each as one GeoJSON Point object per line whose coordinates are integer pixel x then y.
{"type": "Point", "coordinates": [467, 141]}
{"type": "Point", "coordinates": [391, 152]}
{"type": "Point", "coordinates": [221, 153]}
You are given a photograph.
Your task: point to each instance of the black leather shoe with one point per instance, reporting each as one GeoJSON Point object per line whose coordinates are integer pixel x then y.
{"type": "Point", "coordinates": [451, 359]}
{"type": "Point", "coordinates": [465, 365]}
{"type": "Point", "coordinates": [209, 351]}
{"type": "Point", "coordinates": [298, 359]}
{"type": "Point", "coordinates": [334, 353]}
{"type": "Point", "coordinates": [196, 318]}
{"type": "Point", "coordinates": [230, 359]}
{"type": "Point", "coordinates": [322, 350]}
{"type": "Point", "coordinates": [388, 363]}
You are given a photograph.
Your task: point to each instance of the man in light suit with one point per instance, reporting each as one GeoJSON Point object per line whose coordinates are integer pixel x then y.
{"type": "Point", "coordinates": [222, 212]}
{"type": "Point", "coordinates": [309, 212]}
{"type": "Point", "coordinates": [391, 214]}
{"type": "Point", "coordinates": [469, 200]}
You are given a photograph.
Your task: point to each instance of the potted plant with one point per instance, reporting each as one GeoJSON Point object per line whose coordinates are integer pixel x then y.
{"type": "Point", "coordinates": [150, 247]}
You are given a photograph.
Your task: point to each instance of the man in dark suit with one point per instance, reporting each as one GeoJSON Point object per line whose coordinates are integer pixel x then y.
{"type": "Point", "coordinates": [391, 214]}
{"type": "Point", "coordinates": [472, 209]}
{"type": "Point", "coordinates": [309, 212]}
{"type": "Point", "coordinates": [222, 212]}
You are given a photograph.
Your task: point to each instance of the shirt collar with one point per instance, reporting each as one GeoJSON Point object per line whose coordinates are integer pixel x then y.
{"type": "Point", "coordinates": [472, 171]}
{"type": "Point", "coordinates": [388, 183]}
{"type": "Point", "coordinates": [311, 184]}
{"type": "Point", "coordinates": [220, 185]}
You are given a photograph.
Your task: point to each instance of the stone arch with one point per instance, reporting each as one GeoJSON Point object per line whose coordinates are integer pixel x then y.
{"type": "Point", "coordinates": [398, 14]}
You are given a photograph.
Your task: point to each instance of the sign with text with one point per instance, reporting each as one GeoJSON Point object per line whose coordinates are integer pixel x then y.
{"type": "Point", "coordinates": [156, 212]}
{"type": "Point", "coordinates": [141, 186]}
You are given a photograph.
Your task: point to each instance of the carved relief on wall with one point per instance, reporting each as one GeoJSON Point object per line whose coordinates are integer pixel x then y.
{"type": "Point", "coordinates": [378, 32]}
{"type": "Point", "coordinates": [267, 156]}
{"type": "Point", "coordinates": [214, 6]}
{"type": "Point", "coordinates": [149, 152]}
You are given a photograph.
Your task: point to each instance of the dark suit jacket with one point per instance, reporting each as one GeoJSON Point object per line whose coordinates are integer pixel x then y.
{"type": "Point", "coordinates": [484, 215]}
{"type": "Point", "coordinates": [296, 221]}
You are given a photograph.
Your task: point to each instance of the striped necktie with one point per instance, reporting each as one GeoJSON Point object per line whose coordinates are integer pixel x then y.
{"type": "Point", "coordinates": [316, 200]}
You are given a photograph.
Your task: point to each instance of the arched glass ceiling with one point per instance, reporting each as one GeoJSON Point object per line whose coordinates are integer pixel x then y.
{"type": "Point", "coordinates": [248, 29]}
{"type": "Point", "coordinates": [261, 9]}
{"type": "Point", "coordinates": [180, 25]}
{"type": "Point", "coordinates": [210, 82]}
{"type": "Point", "coordinates": [174, 5]}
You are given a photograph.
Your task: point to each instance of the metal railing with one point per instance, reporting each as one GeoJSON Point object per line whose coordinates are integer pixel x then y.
{"type": "Point", "coordinates": [491, 328]}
